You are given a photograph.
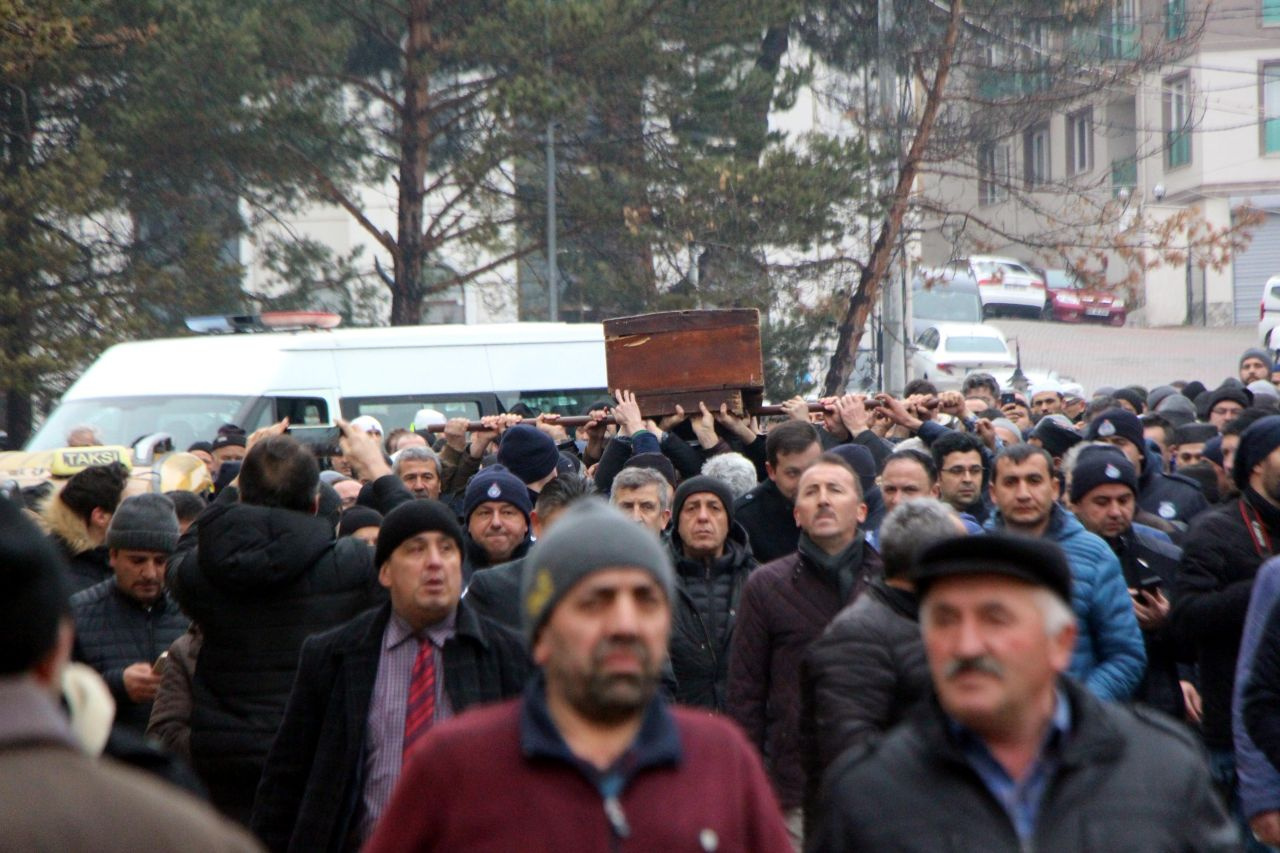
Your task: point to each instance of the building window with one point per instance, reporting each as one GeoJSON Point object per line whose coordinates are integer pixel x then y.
{"type": "Point", "coordinates": [1035, 156]}
{"type": "Point", "coordinates": [1175, 19]}
{"type": "Point", "coordinates": [993, 172]}
{"type": "Point", "coordinates": [1270, 13]}
{"type": "Point", "coordinates": [1177, 122]}
{"type": "Point", "coordinates": [1080, 142]}
{"type": "Point", "coordinates": [1271, 108]}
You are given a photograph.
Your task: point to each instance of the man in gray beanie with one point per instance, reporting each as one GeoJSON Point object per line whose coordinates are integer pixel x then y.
{"type": "Point", "coordinates": [596, 598]}
{"type": "Point", "coordinates": [125, 623]}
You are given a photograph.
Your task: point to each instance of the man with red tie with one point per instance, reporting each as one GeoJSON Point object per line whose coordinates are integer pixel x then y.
{"type": "Point", "coordinates": [367, 691]}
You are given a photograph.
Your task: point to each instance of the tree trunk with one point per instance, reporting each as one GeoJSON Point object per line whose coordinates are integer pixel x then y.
{"type": "Point", "coordinates": [17, 330]}
{"type": "Point", "coordinates": [415, 140]}
{"type": "Point", "coordinates": [872, 277]}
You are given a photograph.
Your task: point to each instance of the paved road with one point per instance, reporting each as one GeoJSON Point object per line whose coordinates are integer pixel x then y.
{"type": "Point", "coordinates": [1096, 355]}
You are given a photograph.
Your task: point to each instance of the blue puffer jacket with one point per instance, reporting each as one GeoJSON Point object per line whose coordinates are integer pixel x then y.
{"type": "Point", "coordinates": [1109, 657]}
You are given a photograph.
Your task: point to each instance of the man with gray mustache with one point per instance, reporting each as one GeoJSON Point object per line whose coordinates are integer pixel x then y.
{"type": "Point", "coordinates": [1012, 754]}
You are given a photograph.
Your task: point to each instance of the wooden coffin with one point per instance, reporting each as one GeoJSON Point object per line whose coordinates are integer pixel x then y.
{"type": "Point", "coordinates": [672, 358]}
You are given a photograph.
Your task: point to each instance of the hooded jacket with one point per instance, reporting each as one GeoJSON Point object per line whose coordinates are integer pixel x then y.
{"type": "Point", "coordinates": [259, 582]}
{"type": "Point", "coordinates": [702, 621]}
{"type": "Point", "coordinates": [88, 562]}
{"type": "Point", "coordinates": [1109, 657]}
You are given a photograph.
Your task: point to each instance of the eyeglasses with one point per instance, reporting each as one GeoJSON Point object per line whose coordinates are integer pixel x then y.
{"type": "Point", "coordinates": [961, 470]}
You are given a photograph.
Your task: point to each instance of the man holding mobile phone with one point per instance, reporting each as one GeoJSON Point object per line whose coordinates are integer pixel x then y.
{"type": "Point", "coordinates": [1103, 496]}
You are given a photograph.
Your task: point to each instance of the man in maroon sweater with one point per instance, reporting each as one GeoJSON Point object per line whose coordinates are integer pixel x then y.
{"type": "Point", "coordinates": [591, 758]}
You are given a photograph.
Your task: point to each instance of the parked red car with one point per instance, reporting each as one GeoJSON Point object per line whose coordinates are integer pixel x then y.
{"type": "Point", "coordinates": [1070, 301]}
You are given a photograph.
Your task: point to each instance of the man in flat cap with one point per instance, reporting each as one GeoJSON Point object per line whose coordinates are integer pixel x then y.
{"type": "Point", "coordinates": [1012, 755]}
{"type": "Point", "coordinates": [591, 758]}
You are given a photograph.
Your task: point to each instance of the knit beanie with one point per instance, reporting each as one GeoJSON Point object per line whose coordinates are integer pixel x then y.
{"type": "Point", "coordinates": [1117, 422]}
{"type": "Point", "coordinates": [1194, 433]}
{"type": "Point", "coordinates": [1177, 409]}
{"type": "Point", "coordinates": [701, 483]}
{"type": "Point", "coordinates": [1229, 393]}
{"type": "Point", "coordinates": [1213, 451]}
{"type": "Point", "coordinates": [496, 483]}
{"type": "Point", "coordinates": [1262, 388]}
{"type": "Point", "coordinates": [1132, 397]}
{"type": "Point", "coordinates": [1256, 444]}
{"type": "Point", "coordinates": [528, 452]}
{"type": "Point", "coordinates": [144, 523]}
{"type": "Point", "coordinates": [358, 518]}
{"type": "Point", "coordinates": [1099, 466]}
{"type": "Point", "coordinates": [1055, 436]}
{"type": "Point", "coordinates": [33, 576]}
{"type": "Point", "coordinates": [411, 518]}
{"type": "Point", "coordinates": [1260, 354]}
{"type": "Point", "coordinates": [861, 461]}
{"type": "Point", "coordinates": [590, 536]}
{"type": "Point", "coordinates": [657, 461]}
{"type": "Point", "coordinates": [1158, 394]}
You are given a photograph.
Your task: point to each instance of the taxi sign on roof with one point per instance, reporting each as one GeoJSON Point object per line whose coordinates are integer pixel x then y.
{"type": "Point", "coordinates": [73, 460]}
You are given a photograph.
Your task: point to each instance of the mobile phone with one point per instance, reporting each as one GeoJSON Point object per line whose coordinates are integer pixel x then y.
{"type": "Point", "coordinates": [161, 664]}
{"type": "Point", "coordinates": [1008, 397]}
{"type": "Point", "coordinates": [323, 440]}
{"type": "Point", "coordinates": [1150, 585]}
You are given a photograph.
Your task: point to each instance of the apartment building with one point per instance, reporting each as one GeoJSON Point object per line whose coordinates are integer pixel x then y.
{"type": "Point", "coordinates": [1196, 138]}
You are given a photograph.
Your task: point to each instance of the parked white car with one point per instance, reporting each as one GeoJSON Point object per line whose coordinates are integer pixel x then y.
{"type": "Point", "coordinates": [946, 352]}
{"type": "Point", "coordinates": [1006, 285]}
{"type": "Point", "coordinates": [1269, 310]}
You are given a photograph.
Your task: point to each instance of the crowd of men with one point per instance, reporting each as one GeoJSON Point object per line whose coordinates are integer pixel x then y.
{"type": "Point", "coordinates": [981, 619]}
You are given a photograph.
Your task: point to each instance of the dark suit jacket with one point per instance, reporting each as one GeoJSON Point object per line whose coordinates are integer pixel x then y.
{"type": "Point", "coordinates": [311, 787]}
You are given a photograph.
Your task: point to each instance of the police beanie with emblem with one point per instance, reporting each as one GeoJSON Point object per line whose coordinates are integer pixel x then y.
{"type": "Point", "coordinates": [144, 523]}
{"type": "Point", "coordinates": [1260, 354]}
{"type": "Point", "coordinates": [1035, 561]}
{"type": "Point", "coordinates": [1055, 435]}
{"type": "Point", "coordinates": [1256, 444]}
{"type": "Point", "coordinates": [496, 483]}
{"type": "Point", "coordinates": [1101, 466]}
{"type": "Point", "coordinates": [590, 536]}
{"type": "Point", "coordinates": [36, 591]}
{"type": "Point", "coordinates": [528, 452]}
{"type": "Point", "coordinates": [411, 518]}
{"type": "Point", "coordinates": [701, 483]}
{"type": "Point", "coordinates": [1117, 422]}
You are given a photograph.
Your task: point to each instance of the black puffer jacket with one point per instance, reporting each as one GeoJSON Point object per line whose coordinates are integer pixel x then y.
{"type": "Point", "coordinates": [861, 677]}
{"type": "Point", "coordinates": [1211, 600]}
{"type": "Point", "coordinates": [770, 522]}
{"type": "Point", "coordinates": [702, 622]}
{"type": "Point", "coordinates": [1172, 497]}
{"type": "Point", "coordinates": [261, 581]}
{"type": "Point", "coordinates": [1127, 780]}
{"type": "Point", "coordinates": [114, 631]}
